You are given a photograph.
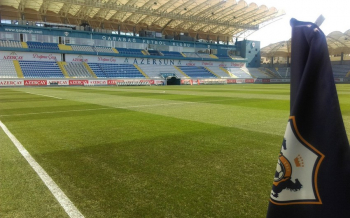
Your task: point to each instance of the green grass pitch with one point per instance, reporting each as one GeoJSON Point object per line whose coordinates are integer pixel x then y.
{"type": "Point", "coordinates": [129, 152]}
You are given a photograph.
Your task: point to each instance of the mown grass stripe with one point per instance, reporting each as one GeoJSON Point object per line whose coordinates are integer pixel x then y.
{"type": "Point", "coordinates": [44, 95]}
{"type": "Point", "coordinates": [64, 201]}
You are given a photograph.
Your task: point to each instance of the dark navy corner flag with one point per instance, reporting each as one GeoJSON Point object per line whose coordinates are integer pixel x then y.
{"type": "Point", "coordinates": [312, 177]}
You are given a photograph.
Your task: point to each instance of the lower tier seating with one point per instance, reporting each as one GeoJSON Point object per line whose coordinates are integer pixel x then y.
{"type": "Point", "coordinates": [40, 69]}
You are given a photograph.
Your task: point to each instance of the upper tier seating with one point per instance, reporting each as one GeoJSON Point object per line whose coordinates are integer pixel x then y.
{"type": "Point", "coordinates": [7, 69]}
{"type": "Point", "coordinates": [204, 55]}
{"type": "Point", "coordinates": [40, 69]}
{"type": "Point", "coordinates": [172, 54]}
{"type": "Point", "coordinates": [86, 48]}
{"type": "Point", "coordinates": [119, 71]}
{"type": "Point", "coordinates": [191, 55]}
{"type": "Point", "coordinates": [223, 56]}
{"type": "Point", "coordinates": [43, 45]}
{"type": "Point", "coordinates": [10, 44]}
{"type": "Point", "coordinates": [104, 49]}
{"type": "Point", "coordinates": [130, 51]}
{"type": "Point", "coordinates": [154, 52]}
{"type": "Point", "coordinates": [77, 70]}
{"type": "Point", "coordinates": [197, 72]}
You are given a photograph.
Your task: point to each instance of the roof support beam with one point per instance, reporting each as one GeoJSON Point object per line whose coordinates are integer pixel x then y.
{"type": "Point", "coordinates": [169, 15]}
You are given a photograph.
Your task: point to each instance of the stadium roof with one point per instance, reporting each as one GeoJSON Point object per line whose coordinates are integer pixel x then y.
{"type": "Point", "coordinates": [207, 18]}
{"type": "Point", "coordinates": [338, 43]}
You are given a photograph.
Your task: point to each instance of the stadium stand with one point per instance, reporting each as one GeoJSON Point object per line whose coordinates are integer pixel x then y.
{"type": "Point", "coordinates": [104, 49]}
{"type": "Point", "coordinates": [83, 48]}
{"type": "Point", "coordinates": [219, 72]}
{"type": "Point", "coordinates": [204, 55]}
{"type": "Point", "coordinates": [156, 72]}
{"type": "Point", "coordinates": [223, 56]}
{"type": "Point", "coordinates": [117, 70]}
{"type": "Point", "coordinates": [340, 70]}
{"type": "Point", "coordinates": [191, 55]}
{"type": "Point", "coordinates": [154, 53]}
{"type": "Point", "coordinates": [256, 73]}
{"type": "Point", "coordinates": [7, 69]}
{"type": "Point", "coordinates": [95, 67]}
{"type": "Point", "coordinates": [238, 72]}
{"type": "Point", "coordinates": [44, 45]}
{"type": "Point", "coordinates": [130, 51]}
{"type": "Point", "coordinates": [196, 72]}
{"type": "Point", "coordinates": [77, 70]}
{"type": "Point", "coordinates": [10, 44]}
{"type": "Point", "coordinates": [171, 54]}
{"type": "Point", "coordinates": [40, 69]}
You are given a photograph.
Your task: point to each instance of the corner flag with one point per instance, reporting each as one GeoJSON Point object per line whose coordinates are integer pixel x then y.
{"type": "Point", "coordinates": [312, 177]}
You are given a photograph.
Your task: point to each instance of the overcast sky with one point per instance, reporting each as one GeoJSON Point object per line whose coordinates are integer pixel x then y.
{"type": "Point", "coordinates": [336, 12]}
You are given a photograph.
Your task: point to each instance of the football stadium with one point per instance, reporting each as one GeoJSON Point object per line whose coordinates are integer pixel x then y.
{"type": "Point", "coordinates": [149, 108]}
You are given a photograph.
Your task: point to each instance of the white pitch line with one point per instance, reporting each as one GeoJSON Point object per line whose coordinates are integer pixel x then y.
{"type": "Point", "coordinates": [44, 95]}
{"type": "Point", "coordinates": [64, 201]}
{"type": "Point", "coordinates": [53, 112]}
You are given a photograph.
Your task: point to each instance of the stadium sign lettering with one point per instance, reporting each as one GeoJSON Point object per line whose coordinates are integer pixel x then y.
{"type": "Point", "coordinates": [150, 61]}
{"type": "Point", "coordinates": [13, 57]}
{"type": "Point", "coordinates": [35, 82]}
{"type": "Point", "coordinates": [48, 57]}
{"type": "Point", "coordinates": [78, 82]}
{"type": "Point", "coordinates": [58, 82]}
{"type": "Point", "coordinates": [118, 39]}
{"type": "Point", "coordinates": [190, 64]}
{"type": "Point", "coordinates": [105, 59]}
{"type": "Point", "coordinates": [11, 82]}
{"type": "Point", "coordinates": [98, 82]}
{"type": "Point", "coordinates": [181, 44]}
{"type": "Point", "coordinates": [111, 82]}
{"type": "Point", "coordinates": [80, 59]}
{"type": "Point", "coordinates": [207, 63]}
{"type": "Point", "coordinates": [237, 64]}
{"type": "Point", "coordinates": [154, 42]}
{"type": "Point", "coordinates": [30, 31]}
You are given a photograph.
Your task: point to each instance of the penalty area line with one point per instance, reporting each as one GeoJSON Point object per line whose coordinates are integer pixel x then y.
{"type": "Point", "coordinates": [63, 200]}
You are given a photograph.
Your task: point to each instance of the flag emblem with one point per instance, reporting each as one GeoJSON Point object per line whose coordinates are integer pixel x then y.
{"type": "Point", "coordinates": [295, 180]}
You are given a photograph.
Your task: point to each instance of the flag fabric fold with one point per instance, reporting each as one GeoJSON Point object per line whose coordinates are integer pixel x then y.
{"type": "Point", "coordinates": [312, 177]}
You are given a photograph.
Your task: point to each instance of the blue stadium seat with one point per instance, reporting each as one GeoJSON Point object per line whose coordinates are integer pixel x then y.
{"type": "Point", "coordinates": [197, 72]}
{"type": "Point", "coordinates": [40, 69]}
{"type": "Point", "coordinates": [115, 70]}
{"type": "Point", "coordinates": [43, 45]}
